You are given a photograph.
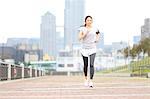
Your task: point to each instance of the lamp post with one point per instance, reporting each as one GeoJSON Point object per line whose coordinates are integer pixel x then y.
{"type": "Point", "coordinates": [129, 67]}
{"type": "Point", "coordinates": [2, 52]}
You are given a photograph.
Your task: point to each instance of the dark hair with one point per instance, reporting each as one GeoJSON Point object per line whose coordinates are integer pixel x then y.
{"type": "Point", "coordinates": [86, 19]}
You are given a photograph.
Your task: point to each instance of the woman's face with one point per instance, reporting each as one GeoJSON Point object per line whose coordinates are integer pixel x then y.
{"type": "Point", "coordinates": [88, 21]}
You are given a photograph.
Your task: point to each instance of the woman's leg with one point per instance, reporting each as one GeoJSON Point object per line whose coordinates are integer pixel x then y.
{"type": "Point", "coordinates": [85, 68]}
{"type": "Point", "coordinates": [92, 58]}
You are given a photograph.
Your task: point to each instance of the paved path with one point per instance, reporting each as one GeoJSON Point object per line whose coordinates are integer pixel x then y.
{"type": "Point", "coordinates": [64, 87]}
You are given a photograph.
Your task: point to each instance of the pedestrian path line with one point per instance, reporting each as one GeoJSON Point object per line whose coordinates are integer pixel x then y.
{"type": "Point", "coordinates": [54, 89]}
{"type": "Point", "coordinates": [19, 80]}
{"type": "Point", "coordinates": [84, 88]}
{"type": "Point", "coordinates": [76, 96]}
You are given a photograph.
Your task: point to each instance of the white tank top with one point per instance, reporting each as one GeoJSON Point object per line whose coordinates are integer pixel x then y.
{"type": "Point", "coordinates": [88, 42]}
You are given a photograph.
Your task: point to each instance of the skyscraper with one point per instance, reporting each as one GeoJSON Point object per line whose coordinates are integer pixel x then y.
{"type": "Point", "coordinates": [73, 19]}
{"type": "Point", "coordinates": [145, 29]}
{"type": "Point", "coordinates": [48, 34]}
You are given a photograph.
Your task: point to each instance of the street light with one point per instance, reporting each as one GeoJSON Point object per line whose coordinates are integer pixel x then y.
{"type": "Point", "coordinates": [2, 52]}
{"type": "Point", "coordinates": [129, 67]}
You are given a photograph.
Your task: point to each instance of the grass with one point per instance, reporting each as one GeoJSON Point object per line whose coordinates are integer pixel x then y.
{"type": "Point", "coordinates": [134, 67]}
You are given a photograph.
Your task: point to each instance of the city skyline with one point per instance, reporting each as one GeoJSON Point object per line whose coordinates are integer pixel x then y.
{"type": "Point", "coordinates": [21, 18]}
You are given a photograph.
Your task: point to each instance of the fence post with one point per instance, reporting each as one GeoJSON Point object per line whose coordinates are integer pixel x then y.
{"type": "Point", "coordinates": [43, 73]}
{"type": "Point", "coordinates": [22, 65]}
{"type": "Point", "coordinates": [68, 73]}
{"type": "Point", "coordinates": [39, 73]}
{"type": "Point", "coordinates": [31, 71]}
{"type": "Point", "coordinates": [35, 72]}
{"type": "Point", "coordinates": [9, 71]}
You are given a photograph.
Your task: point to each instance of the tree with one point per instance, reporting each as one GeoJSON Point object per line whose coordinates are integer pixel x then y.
{"type": "Point", "coordinates": [145, 45]}
{"type": "Point", "coordinates": [138, 49]}
{"type": "Point", "coordinates": [133, 51]}
{"type": "Point", "coordinates": [126, 52]}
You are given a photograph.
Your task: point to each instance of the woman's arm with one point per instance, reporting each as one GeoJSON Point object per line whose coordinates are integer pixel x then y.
{"type": "Point", "coordinates": [81, 35]}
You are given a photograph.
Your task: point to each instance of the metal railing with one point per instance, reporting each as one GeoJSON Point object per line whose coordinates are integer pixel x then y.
{"type": "Point", "coordinates": [140, 68]}
{"type": "Point", "coordinates": [3, 71]}
{"type": "Point", "coordinates": [11, 71]}
{"type": "Point", "coordinates": [16, 72]}
{"type": "Point", "coordinates": [26, 72]}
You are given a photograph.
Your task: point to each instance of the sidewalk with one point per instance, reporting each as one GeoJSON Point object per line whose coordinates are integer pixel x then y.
{"type": "Point", "coordinates": [115, 75]}
{"type": "Point", "coordinates": [64, 87]}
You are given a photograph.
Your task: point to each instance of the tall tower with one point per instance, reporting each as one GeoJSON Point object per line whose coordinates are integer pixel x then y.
{"type": "Point", "coordinates": [145, 29]}
{"type": "Point", "coordinates": [73, 19]}
{"type": "Point", "coordinates": [48, 34]}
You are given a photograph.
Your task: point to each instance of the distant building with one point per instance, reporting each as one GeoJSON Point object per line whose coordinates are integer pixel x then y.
{"type": "Point", "coordinates": [21, 50]}
{"type": "Point", "coordinates": [145, 29]}
{"type": "Point", "coordinates": [23, 55]}
{"type": "Point", "coordinates": [107, 48]}
{"type": "Point", "coordinates": [115, 46]}
{"type": "Point", "coordinates": [73, 19]}
{"type": "Point", "coordinates": [48, 34]}
{"type": "Point", "coordinates": [66, 62]}
{"type": "Point", "coordinates": [64, 53]}
{"type": "Point", "coordinates": [16, 41]}
{"type": "Point", "coordinates": [31, 56]}
{"type": "Point", "coordinates": [7, 53]}
{"type": "Point", "coordinates": [119, 45]}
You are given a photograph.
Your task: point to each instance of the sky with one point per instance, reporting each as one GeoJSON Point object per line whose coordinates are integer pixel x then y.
{"type": "Point", "coordinates": [119, 20]}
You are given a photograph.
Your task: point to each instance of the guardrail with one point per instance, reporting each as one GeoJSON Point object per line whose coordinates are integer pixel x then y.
{"type": "Point", "coordinates": [141, 71]}
{"type": "Point", "coordinates": [12, 71]}
{"type": "Point", "coordinates": [141, 68]}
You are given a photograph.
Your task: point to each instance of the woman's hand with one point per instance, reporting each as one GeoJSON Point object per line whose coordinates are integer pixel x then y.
{"type": "Point", "coordinates": [97, 38]}
{"type": "Point", "coordinates": [82, 35]}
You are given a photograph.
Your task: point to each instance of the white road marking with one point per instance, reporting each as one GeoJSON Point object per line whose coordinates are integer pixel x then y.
{"type": "Point", "coordinates": [74, 88]}
{"type": "Point", "coordinates": [100, 95]}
